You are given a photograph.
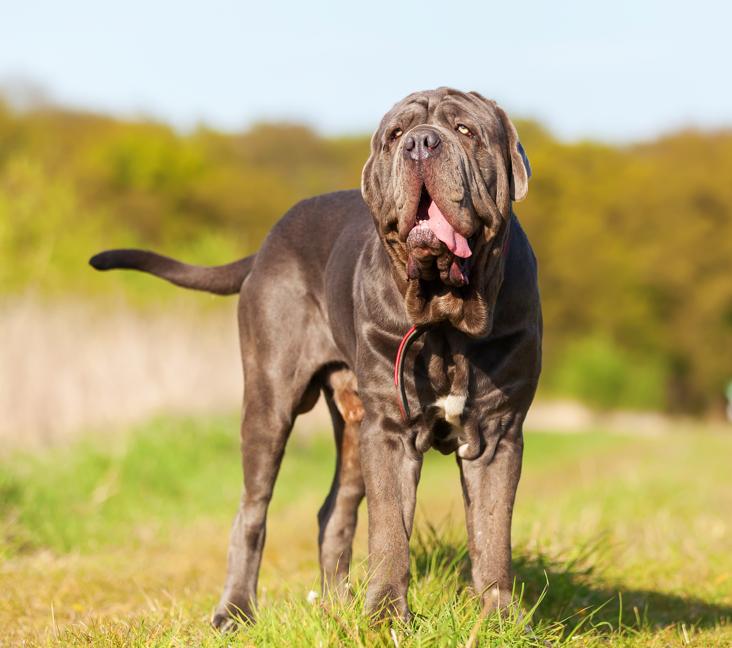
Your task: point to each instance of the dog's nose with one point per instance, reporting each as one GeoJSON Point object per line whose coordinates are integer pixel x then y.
{"type": "Point", "coordinates": [422, 143]}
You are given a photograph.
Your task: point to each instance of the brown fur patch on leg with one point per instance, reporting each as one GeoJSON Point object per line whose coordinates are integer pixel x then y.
{"type": "Point", "coordinates": [345, 393]}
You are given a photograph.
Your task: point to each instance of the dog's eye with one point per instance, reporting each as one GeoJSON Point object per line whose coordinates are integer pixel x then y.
{"type": "Point", "coordinates": [463, 130]}
{"type": "Point", "coordinates": [395, 134]}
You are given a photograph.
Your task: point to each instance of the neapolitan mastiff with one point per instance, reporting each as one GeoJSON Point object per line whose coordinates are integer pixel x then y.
{"type": "Point", "coordinates": [427, 267]}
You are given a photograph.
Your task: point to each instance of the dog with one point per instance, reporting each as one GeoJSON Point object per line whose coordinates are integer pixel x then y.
{"type": "Point", "coordinates": [428, 268]}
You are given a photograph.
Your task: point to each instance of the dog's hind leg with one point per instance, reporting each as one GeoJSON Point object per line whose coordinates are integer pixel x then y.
{"type": "Point", "coordinates": [264, 433]}
{"type": "Point", "coordinates": [263, 442]}
{"type": "Point", "coordinates": [285, 343]}
{"type": "Point", "coordinates": [338, 515]}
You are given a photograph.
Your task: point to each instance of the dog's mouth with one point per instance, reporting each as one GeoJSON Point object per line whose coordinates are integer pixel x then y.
{"type": "Point", "coordinates": [435, 249]}
{"type": "Point", "coordinates": [430, 218]}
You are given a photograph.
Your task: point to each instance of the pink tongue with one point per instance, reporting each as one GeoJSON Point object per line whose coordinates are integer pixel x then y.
{"type": "Point", "coordinates": [456, 242]}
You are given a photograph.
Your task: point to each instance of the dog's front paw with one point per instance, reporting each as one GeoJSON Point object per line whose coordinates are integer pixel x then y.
{"type": "Point", "coordinates": [229, 616]}
{"type": "Point", "coordinates": [386, 603]}
{"type": "Point", "coordinates": [496, 600]}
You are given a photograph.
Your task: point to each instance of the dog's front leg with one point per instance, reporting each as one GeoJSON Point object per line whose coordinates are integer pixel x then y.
{"type": "Point", "coordinates": [489, 488]}
{"type": "Point", "coordinates": [391, 474]}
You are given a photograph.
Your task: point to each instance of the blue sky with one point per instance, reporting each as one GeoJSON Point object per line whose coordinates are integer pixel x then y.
{"type": "Point", "coordinates": [617, 71]}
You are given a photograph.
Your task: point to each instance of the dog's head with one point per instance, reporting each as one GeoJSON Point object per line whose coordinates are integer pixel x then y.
{"type": "Point", "coordinates": [443, 171]}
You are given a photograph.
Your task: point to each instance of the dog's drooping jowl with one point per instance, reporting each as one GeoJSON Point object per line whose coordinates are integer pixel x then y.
{"type": "Point", "coordinates": [428, 263]}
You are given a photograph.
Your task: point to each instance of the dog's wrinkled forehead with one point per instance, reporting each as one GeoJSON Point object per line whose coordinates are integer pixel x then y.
{"type": "Point", "coordinates": [443, 107]}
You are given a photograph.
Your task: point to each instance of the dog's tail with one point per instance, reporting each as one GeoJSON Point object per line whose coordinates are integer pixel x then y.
{"type": "Point", "coordinates": [221, 280]}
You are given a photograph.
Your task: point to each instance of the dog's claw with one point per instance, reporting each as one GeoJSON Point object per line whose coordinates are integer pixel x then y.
{"type": "Point", "coordinates": [229, 618]}
{"type": "Point", "coordinates": [224, 623]}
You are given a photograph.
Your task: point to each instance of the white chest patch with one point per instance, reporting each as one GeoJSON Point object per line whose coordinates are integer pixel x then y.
{"type": "Point", "coordinates": [452, 407]}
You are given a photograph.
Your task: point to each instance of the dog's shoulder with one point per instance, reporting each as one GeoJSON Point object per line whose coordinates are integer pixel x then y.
{"type": "Point", "coordinates": [321, 218]}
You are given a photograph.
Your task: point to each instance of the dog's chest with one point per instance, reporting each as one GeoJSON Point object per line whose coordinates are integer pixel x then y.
{"type": "Point", "coordinates": [447, 425]}
{"type": "Point", "coordinates": [448, 372]}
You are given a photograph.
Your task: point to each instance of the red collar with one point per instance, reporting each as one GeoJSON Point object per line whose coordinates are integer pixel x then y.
{"type": "Point", "coordinates": [411, 335]}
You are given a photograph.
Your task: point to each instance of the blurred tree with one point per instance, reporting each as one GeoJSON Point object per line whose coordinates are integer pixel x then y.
{"type": "Point", "coordinates": [634, 242]}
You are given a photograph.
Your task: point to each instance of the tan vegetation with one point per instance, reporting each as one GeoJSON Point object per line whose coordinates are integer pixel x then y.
{"type": "Point", "coordinates": [70, 365]}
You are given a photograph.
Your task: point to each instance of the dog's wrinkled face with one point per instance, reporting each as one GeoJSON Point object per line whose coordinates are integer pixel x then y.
{"type": "Point", "coordinates": [444, 168]}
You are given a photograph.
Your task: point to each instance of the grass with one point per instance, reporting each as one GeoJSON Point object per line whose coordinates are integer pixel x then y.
{"type": "Point", "coordinates": [619, 541]}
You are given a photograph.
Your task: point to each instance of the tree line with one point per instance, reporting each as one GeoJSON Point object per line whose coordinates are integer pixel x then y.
{"type": "Point", "coordinates": [634, 242]}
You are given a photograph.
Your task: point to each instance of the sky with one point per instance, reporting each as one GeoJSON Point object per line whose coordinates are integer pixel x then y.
{"type": "Point", "coordinates": [616, 71]}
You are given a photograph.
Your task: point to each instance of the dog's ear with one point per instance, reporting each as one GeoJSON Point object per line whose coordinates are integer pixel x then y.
{"type": "Point", "coordinates": [520, 171]}
{"type": "Point", "coordinates": [520, 168]}
{"type": "Point", "coordinates": [369, 177]}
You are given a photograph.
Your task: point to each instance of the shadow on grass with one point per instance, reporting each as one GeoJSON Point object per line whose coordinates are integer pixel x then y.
{"type": "Point", "coordinates": [571, 588]}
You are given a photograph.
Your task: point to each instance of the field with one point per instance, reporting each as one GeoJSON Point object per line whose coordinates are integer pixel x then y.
{"type": "Point", "coordinates": [620, 540]}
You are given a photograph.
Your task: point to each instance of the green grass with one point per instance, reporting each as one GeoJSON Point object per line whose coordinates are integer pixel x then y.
{"type": "Point", "coordinates": [618, 541]}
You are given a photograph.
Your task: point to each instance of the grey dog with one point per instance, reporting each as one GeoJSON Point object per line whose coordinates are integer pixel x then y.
{"type": "Point", "coordinates": [429, 247]}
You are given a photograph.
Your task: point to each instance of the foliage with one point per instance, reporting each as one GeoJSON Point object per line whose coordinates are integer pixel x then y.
{"type": "Point", "coordinates": [602, 374]}
{"type": "Point", "coordinates": [634, 242]}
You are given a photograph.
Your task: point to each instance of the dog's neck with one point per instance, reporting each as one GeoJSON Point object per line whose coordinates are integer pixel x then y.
{"type": "Point", "coordinates": [448, 370]}
{"type": "Point", "coordinates": [469, 310]}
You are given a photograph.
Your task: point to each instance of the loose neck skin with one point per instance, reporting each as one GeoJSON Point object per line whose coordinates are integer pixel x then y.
{"type": "Point", "coordinates": [469, 310]}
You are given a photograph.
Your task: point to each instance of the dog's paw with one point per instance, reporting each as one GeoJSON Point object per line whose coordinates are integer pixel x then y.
{"type": "Point", "coordinates": [228, 617]}
{"type": "Point", "coordinates": [224, 622]}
